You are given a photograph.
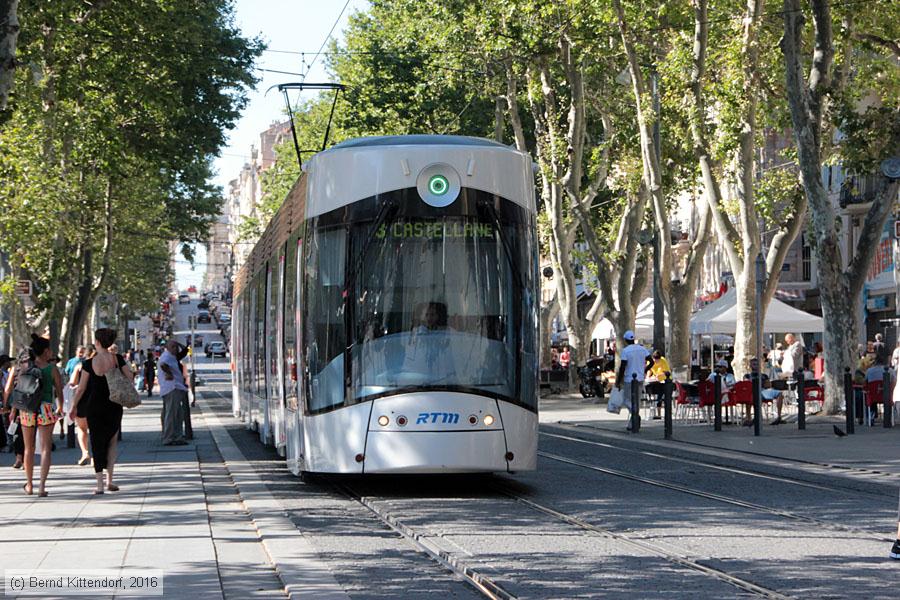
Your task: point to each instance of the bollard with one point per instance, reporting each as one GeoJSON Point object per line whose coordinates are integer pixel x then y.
{"type": "Point", "coordinates": [635, 405]}
{"type": "Point", "coordinates": [717, 401]}
{"type": "Point", "coordinates": [888, 416]}
{"type": "Point", "coordinates": [801, 400]}
{"type": "Point", "coordinates": [667, 405]}
{"type": "Point", "coordinates": [757, 403]}
{"type": "Point", "coordinates": [849, 400]}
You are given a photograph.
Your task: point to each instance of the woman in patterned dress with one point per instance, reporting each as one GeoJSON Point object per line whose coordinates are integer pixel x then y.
{"type": "Point", "coordinates": [42, 421]}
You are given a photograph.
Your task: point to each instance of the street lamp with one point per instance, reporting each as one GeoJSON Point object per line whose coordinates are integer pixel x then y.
{"type": "Point", "coordinates": [757, 381]}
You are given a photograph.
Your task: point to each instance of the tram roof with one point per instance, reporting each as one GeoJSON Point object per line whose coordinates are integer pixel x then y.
{"type": "Point", "coordinates": [418, 140]}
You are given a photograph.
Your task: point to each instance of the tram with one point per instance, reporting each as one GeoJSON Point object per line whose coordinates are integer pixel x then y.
{"type": "Point", "coordinates": [386, 320]}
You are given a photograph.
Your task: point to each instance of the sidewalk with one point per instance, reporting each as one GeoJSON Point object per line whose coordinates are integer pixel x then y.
{"type": "Point", "coordinates": [871, 448]}
{"type": "Point", "coordinates": [178, 511]}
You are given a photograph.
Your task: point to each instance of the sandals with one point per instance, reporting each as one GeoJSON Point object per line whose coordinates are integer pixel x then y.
{"type": "Point", "coordinates": [112, 487]}
{"type": "Point", "coordinates": [18, 465]}
{"type": "Point", "coordinates": [43, 494]}
{"type": "Point", "coordinates": [85, 460]}
{"type": "Point", "coordinates": [98, 492]}
{"type": "Point", "coordinates": [27, 491]}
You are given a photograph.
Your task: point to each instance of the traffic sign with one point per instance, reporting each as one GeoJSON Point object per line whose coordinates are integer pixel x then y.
{"type": "Point", "coordinates": [23, 288]}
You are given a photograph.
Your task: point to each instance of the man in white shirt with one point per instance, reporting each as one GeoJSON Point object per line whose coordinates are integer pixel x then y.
{"type": "Point", "coordinates": [635, 361]}
{"type": "Point", "coordinates": [793, 356]}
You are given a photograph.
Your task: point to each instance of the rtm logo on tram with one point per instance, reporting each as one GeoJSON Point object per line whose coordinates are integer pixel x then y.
{"type": "Point", "coordinates": [423, 418]}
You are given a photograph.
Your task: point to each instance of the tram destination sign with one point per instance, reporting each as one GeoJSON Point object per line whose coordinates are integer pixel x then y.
{"type": "Point", "coordinates": [435, 230]}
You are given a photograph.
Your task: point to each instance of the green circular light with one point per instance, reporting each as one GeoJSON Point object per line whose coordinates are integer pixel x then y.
{"type": "Point", "coordinates": [438, 185]}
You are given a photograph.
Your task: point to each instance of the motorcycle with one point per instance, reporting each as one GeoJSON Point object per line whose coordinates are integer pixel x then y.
{"type": "Point", "coordinates": [591, 380]}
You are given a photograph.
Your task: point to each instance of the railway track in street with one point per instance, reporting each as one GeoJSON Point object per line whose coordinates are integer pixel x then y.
{"type": "Point", "coordinates": [698, 461]}
{"type": "Point", "coordinates": [664, 553]}
{"type": "Point", "coordinates": [484, 584]}
{"type": "Point", "coordinates": [828, 468]}
{"type": "Point", "coordinates": [715, 497]}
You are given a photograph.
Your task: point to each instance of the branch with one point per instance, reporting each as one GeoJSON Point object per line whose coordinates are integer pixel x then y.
{"type": "Point", "coordinates": [823, 54]}
{"type": "Point", "coordinates": [107, 242]}
{"type": "Point", "coordinates": [870, 234]}
{"type": "Point", "coordinates": [696, 254]}
{"type": "Point", "coordinates": [781, 243]}
{"type": "Point", "coordinates": [891, 45]}
{"type": "Point", "coordinates": [512, 103]}
{"type": "Point", "coordinates": [576, 120]}
{"type": "Point", "coordinates": [93, 9]}
{"type": "Point", "coordinates": [727, 233]}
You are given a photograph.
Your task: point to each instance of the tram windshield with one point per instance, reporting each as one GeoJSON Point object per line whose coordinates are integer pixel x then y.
{"type": "Point", "coordinates": [440, 299]}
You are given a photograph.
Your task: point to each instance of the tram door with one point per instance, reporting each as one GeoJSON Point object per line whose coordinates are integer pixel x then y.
{"type": "Point", "coordinates": [293, 421]}
{"type": "Point", "coordinates": [265, 431]}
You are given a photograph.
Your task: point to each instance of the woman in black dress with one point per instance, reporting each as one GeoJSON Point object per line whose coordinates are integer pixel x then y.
{"type": "Point", "coordinates": [104, 416]}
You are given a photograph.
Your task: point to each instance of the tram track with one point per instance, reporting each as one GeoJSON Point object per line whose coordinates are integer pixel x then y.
{"type": "Point", "coordinates": [696, 461]}
{"type": "Point", "coordinates": [657, 550]}
{"type": "Point", "coordinates": [833, 468]}
{"type": "Point", "coordinates": [716, 497]}
{"type": "Point", "coordinates": [484, 584]}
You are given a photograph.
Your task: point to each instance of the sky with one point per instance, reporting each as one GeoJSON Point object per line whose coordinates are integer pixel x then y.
{"type": "Point", "coordinates": [288, 27]}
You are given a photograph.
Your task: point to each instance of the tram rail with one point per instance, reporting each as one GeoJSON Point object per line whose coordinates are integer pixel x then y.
{"type": "Point", "coordinates": [743, 470]}
{"type": "Point", "coordinates": [484, 584]}
{"type": "Point", "coordinates": [666, 554]}
{"type": "Point", "coordinates": [716, 497]}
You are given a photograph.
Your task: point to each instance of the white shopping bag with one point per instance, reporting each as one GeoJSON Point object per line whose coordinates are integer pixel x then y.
{"type": "Point", "coordinates": [616, 400]}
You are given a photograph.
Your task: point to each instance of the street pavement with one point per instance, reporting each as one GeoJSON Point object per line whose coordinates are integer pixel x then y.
{"type": "Point", "coordinates": [606, 515]}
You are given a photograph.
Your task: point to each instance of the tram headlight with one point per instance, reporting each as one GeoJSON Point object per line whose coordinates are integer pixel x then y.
{"type": "Point", "coordinates": [488, 420]}
{"type": "Point", "coordinates": [383, 420]}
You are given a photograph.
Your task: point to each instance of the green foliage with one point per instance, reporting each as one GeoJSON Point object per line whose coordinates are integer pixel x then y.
{"type": "Point", "coordinates": [120, 105]}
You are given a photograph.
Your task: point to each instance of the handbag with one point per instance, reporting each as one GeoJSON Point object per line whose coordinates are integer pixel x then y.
{"type": "Point", "coordinates": [121, 391]}
{"type": "Point", "coordinates": [616, 400]}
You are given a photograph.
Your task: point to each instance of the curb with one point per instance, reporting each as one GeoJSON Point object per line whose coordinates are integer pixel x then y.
{"type": "Point", "coordinates": [297, 564]}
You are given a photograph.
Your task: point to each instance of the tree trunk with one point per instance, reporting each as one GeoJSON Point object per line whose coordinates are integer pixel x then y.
{"type": "Point", "coordinates": [681, 304]}
{"type": "Point", "coordinates": [547, 314]}
{"type": "Point", "coordinates": [9, 34]}
{"type": "Point", "coordinates": [840, 309]}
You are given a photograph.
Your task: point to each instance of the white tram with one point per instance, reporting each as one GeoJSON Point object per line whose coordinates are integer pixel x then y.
{"type": "Point", "coordinates": [386, 321]}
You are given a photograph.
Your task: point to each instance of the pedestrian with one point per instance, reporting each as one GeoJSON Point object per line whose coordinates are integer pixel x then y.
{"type": "Point", "coordinates": [69, 388]}
{"type": "Point", "coordinates": [818, 361]}
{"type": "Point", "coordinates": [5, 438]}
{"type": "Point", "coordinates": [565, 358]}
{"type": "Point", "coordinates": [766, 392]}
{"type": "Point", "coordinates": [876, 373]}
{"type": "Point", "coordinates": [793, 356]}
{"type": "Point", "coordinates": [103, 415]}
{"type": "Point", "coordinates": [895, 356]}
{"type": "Point", "coordinates": [878, 346]}
{"type": "Point", "coordinates": [41, 422]}
{"type": "Point", "coordinates": [895, 549]}
{"type": "Point", "coordinates": [173, 390]}
{"type": "Point", "coordinates": [661, 371]}
{"type": "Point", "coordinates": [149, 373]}
{"type": "Point", "coordinates": [634, 362]}
{"type": "Point", "coordinates": [81, 423]}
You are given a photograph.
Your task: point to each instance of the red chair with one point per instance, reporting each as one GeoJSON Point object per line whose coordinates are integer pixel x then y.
{"type": "Point", "coordinates": [742, 394]}
{"type": "Point", "coordinates": [874, 393]}
{"type": "Point", "coordinates": [815, 394]}
{"type": "Point", "coordinates": [684, 404]}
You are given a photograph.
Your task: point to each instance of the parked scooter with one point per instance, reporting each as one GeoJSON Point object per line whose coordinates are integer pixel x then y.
{"type": "Point", "coordinates": [590, 377]}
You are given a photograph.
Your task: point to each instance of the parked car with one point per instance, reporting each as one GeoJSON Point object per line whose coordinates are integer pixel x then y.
{"type": "Point", "coordinates": [203, 304]}
{"type": "Point", "coordinates": [184, 299]}
{"type": "Point", "coordinates": [216, 349]}
{"type": "Point", "coordinates": [198, 340]}
{"type": "Point", "coordinates": [224, 318]}
{"type": "Point", "coordinates": [203, 316]}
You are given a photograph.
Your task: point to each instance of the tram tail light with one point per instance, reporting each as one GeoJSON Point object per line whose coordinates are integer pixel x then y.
{"type": "Point", "coordinates": [488, 420]}
{"type": "Point", "coordinates": [383, 420]}
{"type": "Point", "coordinates": [473, 420]}
{"type": "Point", "coordinates": [401, 421]}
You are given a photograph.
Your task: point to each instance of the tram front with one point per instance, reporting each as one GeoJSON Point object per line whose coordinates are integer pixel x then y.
{"type": "Point", "coordinates": [439, 309]}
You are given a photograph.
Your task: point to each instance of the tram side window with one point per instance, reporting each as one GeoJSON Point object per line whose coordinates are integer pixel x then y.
{"type": "Point", "coordinates": [324, 318]}
{"type": "Point", "coordinates": [259, 350]}
{"type": "Point", "coordinates": [290, 325]}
